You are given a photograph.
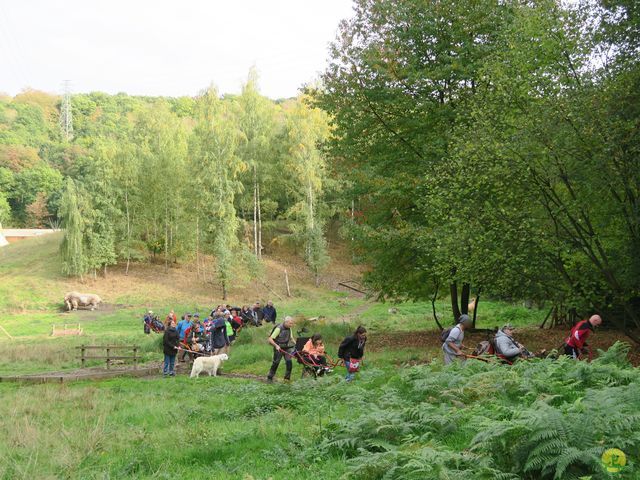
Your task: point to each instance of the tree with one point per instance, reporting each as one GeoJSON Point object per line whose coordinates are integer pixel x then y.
{"type": "Point", "coordinates": [256, 119]}
{"type": "Point", "coordinates": [213, 153]}
{"type": "Point", "coordinates": [306, 129]}
{"type": "Point", "coordinates": [400, 76]}
{"type": "Point", "coordinates": [72, 248]}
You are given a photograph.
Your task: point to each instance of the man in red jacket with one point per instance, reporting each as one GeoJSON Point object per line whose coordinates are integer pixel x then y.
{"type": "Point", "coordinates": [576, 342]}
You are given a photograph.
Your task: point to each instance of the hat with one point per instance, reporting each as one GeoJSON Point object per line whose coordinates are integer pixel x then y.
{"type": "Point", "coordinates": [464, 318]}
{"type": "Point", "coordinates": [187, 315]}
{"type": "Point", "coordinates": [196, 315]}
{"type": "Point", "coordinates": [507, 326]}
{"type": "Point", "coordinates": [150, 312]}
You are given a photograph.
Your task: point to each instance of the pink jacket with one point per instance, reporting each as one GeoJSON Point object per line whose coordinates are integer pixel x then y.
{"type": "Point", "coordinates": [311, 350]}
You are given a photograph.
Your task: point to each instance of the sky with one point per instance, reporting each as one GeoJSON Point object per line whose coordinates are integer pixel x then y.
{"type": "Point", "coordinates": [162, 47]}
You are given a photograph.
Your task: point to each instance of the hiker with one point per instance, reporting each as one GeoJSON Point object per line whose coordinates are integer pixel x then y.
{"type": "Point", "coordinates": [576, 343]}
{"type": "Point", "coordinates": [452, 345]}
{"type": "Point", "coordinates": [507, 346]}
{"type": "Point", "coordinates": [148, 318]}
{"type": "Point", "coordinates": [256, 315]}
{"type": "Point", "coordinates": [269, 313]}
{"type": "Point", "coordinates": [229, 330]}
{"type": "Point", "coordinates": [284, 345]}
{"type": "Point", "coordinates": [194, 336]}
{"type": "Point", "coordinates": [314, 348]}
{"type": "Point", "coordinates": [351, 350]}
{"type": "Point", "coordinates": [170, 317]}
{"type": "Point", "coordinates": [170, 342]}
{"type": "Point", "coordinates": [183, 325]}
{"type": "Point", "coordinates": [236, 322]}
{"type": "Point", "coordinates": [245, 315]}
{"type": "Point", "coordinates": [219, 338]}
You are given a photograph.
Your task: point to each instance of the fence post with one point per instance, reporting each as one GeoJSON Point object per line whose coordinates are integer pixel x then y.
{"type": "Point", "coordinates": [108, 355]}
{"type": "Point", "coordinates": [82, 355]}
{"type": "Point", "coordinates": [135, 357]}
{"type": "Point", "coordinates": [53, 329]}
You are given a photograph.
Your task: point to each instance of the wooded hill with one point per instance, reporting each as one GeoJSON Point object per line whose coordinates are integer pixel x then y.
{"type": "Point", "coordinates": [167, 178]}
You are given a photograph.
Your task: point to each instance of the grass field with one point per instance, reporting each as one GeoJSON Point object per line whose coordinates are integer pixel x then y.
{"type": "Point", "coordinates": [405, 417]}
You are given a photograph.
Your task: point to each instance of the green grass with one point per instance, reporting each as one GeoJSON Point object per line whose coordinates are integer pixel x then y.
{"type": "Point", "coordinates": [398, 420]}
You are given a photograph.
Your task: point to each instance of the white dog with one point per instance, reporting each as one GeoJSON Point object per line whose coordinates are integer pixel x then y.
{"type": "Point", "coordinates": [208, 364]}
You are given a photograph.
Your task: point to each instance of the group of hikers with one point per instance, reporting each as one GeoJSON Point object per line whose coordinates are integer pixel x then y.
{"type": "Point", "coordinates": [313, 354]}
{"type": "Point", "coordinates": [507, 348]}
{"type": "Point", "coordinates": [214, 335]}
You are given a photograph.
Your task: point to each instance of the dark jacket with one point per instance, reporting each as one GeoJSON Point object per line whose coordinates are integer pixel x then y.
{"type": "Point", "coordinates": [351, 347]}
{"type": "Point", "coordinates": [219, 338]}
{"type": "Point", "coordinates": [170, 341]}
{"type": "Point", "coordinates": [269, 314]}
{"type": "Point", "coordinates": [246, 317]}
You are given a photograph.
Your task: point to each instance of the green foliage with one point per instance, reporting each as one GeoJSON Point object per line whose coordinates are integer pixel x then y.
{"type": "Point", "coordinates": [540, 419]}
{"type": "Point", "coordinates": [72, 248]}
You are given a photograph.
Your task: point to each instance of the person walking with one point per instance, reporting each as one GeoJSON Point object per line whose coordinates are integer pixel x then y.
{"type": "Point", "coordinates": [575, 345]}
{"type": "Point", "coordinates": [269, 313]}
{"type": "Point", "coordinates": [351, 350]}
{"type": "Point", "coordinates": [284, 345]}
{"type": "Point", "coordinates": [170, 342]}
{"type": "Point", "coordinates": [219, 338]}
{"type": "Point", "coordinates": [452, 346]}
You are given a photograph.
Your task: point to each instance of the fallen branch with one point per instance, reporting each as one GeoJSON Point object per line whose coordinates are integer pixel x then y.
{"type": "Point", "coordinates": [342, 284]}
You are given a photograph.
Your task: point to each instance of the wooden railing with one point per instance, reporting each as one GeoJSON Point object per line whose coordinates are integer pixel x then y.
{"type": "Point", "coordinates": [85, 355]}
{"type": "Point", "coordinates": [58, 332]}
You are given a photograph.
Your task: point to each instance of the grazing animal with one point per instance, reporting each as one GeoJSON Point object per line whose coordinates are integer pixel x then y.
{"type": "Point", "coordinates": [208, 364]}
{"type": "Point", "coordinates": [73, 300]}
{"type": "Point", "coordinates": [472, 305]}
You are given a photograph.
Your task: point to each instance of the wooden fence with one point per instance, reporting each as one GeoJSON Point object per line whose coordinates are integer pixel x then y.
{"type": "Point", "coordinates": [65, 330]}
{"type": "Point", "coordinates": [86, 350]}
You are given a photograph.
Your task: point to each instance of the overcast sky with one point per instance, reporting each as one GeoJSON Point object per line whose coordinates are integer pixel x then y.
{"type": "Point", "coordinates": [162, 47]}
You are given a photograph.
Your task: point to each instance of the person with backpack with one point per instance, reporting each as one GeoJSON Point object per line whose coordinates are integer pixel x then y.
{"type": "Point", "coordinates": [351, 350]}
{"type": "Point", "coordinates": [284, 345]}
{"type": "Point", "coordinates": [575, 345]}
{"type": "Point", "coordinates": [170, 342]}
{"type": "Point", "coordinates": [452, 344]}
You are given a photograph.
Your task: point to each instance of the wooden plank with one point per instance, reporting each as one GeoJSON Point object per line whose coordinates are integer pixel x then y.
{"type": "Point", "coordinates": [107, 357]}
{"type": "Point", "coordinates": [104, 347]}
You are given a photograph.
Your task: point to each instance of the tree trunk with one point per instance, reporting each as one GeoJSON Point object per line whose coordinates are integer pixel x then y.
{"type": "Point", "coordinates": [198, 246]}
{"type": "Point", "coordinates": [475, 310]}
{"type": "Point", "coordinates": [126, 204]}
{"type": "Point", "coordinates": [433, 305]}
{"type": "Point", "coordinates": [464, 298]}
{"type": "Point", "coordinates": [454, 301]}
{"type": "Point", "coordinates": [259, 226]}
{"type": "Point", "coordinates": [166, 238]}
{"type": "Point", "coordinates": [255, 212]}
{"type": "Point", "coordinates": [286, 282]}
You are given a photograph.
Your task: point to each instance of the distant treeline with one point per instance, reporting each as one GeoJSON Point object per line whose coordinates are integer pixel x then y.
{"type": "Point", "coordinates": [174, 178]}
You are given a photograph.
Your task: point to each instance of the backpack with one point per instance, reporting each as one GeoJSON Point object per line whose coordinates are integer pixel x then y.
{"type": "Point", "coordinates": [445, 333]}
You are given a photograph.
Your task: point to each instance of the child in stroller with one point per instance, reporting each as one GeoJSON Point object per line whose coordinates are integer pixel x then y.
{"type": "Point", "coordinates": [313, 356]}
